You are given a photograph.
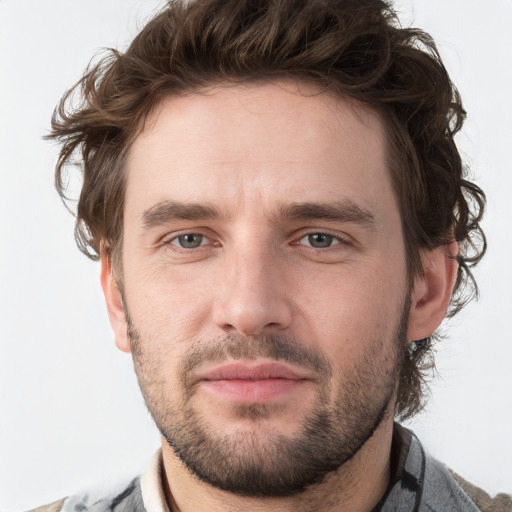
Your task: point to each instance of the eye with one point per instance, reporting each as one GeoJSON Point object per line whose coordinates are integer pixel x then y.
{"type": "Point", "coordinates": [319, 240]}
{"type": "Point", "coordinates": [189, 241]}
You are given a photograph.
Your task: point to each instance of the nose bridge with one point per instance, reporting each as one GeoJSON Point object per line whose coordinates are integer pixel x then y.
{"type": "Point", "coordinates": [252, 297]}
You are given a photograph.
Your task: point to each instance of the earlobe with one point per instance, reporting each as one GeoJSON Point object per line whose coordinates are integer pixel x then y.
{"type": "Point", "coordinates": [114, 303]}
{"type": "Point", "coordinates": [432, 291]}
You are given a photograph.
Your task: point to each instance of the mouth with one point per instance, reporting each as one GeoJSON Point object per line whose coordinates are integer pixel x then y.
{"type": "Point", "coordinates": [250, 384]}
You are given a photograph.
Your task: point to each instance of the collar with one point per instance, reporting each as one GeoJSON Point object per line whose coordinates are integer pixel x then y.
{"type": "Point", "coordinates": [413, 473]}
{"type": "Point", "coordinates": [151, 485]}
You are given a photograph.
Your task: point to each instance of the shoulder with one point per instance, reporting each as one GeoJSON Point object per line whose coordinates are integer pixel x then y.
{"type": "Point", "coordinates": [424, 484]}
{"type": "Point", "coordinates": [56, 506]}
{"type": "Point", "coordinates": [443, 486]}
{"type": "Point", "coordinates": [500, 503]}
{"type": "Point", "coordinates": [124, 498]}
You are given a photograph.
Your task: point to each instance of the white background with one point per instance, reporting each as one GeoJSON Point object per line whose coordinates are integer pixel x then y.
{"type": "Point", "coordinates": [70, 410]}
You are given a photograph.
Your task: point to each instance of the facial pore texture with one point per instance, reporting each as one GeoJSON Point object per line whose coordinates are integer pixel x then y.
{"type": "Point", "coordinates": [258, 461]}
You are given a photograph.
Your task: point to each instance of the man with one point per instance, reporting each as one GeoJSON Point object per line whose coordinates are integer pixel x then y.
{"type": "Point", "coordinates": [283, 222]}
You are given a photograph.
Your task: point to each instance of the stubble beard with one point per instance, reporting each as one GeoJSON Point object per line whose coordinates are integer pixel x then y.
{"type": "Point", "coordinates": [272, 464]}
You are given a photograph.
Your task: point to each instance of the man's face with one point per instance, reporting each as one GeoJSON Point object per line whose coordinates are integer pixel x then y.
{"type": "Point", "coordinates": [264, 282]}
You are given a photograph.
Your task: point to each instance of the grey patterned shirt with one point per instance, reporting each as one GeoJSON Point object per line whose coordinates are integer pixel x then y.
{"type": "Point", "coordinates": [419, 483]}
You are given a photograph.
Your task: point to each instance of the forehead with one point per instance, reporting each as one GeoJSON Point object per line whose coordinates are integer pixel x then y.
{"type": "Point", "coordinates": [259, 142]}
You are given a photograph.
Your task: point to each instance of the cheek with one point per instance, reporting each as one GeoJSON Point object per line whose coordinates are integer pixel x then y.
{"type": "Point", "coordinates": [354, 309]}
{"type": "Point", "coordinates": [169, 308]}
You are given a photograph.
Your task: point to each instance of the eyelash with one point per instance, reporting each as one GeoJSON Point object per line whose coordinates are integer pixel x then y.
{"type": "Point", "coordinates": [176, 238]}
{"type": "Point", "coordinates": [335, 240]}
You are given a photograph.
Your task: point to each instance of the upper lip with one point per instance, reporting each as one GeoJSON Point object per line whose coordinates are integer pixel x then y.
{"type": "Point", "coordinates": [247, 371]}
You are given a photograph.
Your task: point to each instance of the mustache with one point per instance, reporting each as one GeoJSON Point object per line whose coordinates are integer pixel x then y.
{"type": "Point", "coordinates": [235, 346]}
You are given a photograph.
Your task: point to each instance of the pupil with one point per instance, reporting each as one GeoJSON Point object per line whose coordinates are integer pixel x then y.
{"type": "Point", "coordinates": [320, 240]}
{"type": "Point", "coordinates": [190, 241]}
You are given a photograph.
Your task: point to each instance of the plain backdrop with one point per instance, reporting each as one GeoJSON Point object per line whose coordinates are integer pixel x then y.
{"type": "Point", "coordinates": [71, 414]}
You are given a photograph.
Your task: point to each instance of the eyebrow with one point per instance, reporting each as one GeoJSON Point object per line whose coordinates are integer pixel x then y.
{"type": "Point", "coordinates": [167, 211]}
{"type": "Point", "coordinates": [344, 211]}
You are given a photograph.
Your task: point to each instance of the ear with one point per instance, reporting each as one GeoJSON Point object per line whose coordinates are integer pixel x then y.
{"type": "Point", "coordinates": [114, 303]}
{"type": "Point", "coordinates": [432, 291]}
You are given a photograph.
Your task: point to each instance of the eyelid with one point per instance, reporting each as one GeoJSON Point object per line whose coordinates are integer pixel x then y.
{"type": "Point", "coordinates": [342, 238]}
{"type": "Point", "coordinates": [177, 237]}
{"type": "Point", "coordinates": [170, 237]}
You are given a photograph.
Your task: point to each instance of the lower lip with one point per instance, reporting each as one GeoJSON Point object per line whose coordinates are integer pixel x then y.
{"type": "Point", "coordinates": [252, 391]}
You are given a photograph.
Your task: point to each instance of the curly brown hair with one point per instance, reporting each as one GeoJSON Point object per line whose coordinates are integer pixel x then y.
{"type": "Point", "coordinates": [356, 48]}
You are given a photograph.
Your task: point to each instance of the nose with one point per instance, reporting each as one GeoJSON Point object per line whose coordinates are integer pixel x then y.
{"type": "Point", "coordinates": [252, 297]}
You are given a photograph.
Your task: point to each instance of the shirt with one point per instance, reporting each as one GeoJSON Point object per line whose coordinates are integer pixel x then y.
{"type": "Point", "coordinates": [419, 483]}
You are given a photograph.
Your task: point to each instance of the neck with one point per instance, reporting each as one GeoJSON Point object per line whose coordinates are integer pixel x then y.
{"type": "Point", "coordinates": [357, 486]}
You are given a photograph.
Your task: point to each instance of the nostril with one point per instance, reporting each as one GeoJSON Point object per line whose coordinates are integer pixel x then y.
{"type": "Point", "coordinates": [250, 308]}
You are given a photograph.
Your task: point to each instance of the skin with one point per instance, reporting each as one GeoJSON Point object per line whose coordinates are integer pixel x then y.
{"type": "Point", "coordinates": [251, 151]}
